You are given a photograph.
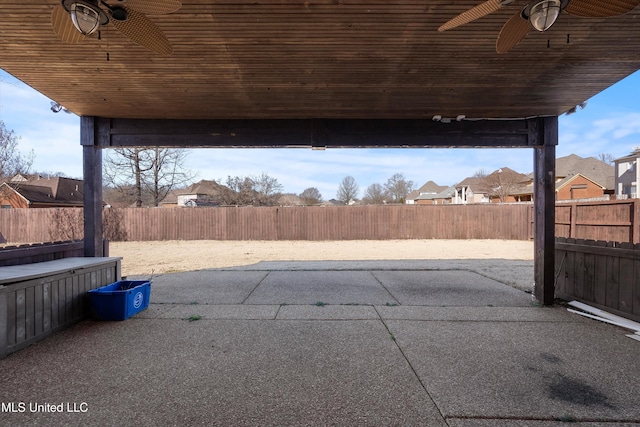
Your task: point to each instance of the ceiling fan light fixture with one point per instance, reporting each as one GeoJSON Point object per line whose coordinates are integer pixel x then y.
{"type": "Point", "coordinates": [85, 18]}
{"type": "Point", "coordinates": [543, 14]}
{"type": "Point", "coordinates": [86, 15]}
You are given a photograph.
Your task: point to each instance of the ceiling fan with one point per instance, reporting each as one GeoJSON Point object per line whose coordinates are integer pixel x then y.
{"type": "Point", "coordinates": [74, 20]}
{"type": "Point", "coordinates": [539, 15]}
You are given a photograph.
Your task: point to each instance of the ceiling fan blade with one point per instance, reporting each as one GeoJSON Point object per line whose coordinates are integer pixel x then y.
{"type": "Point", "coordinates": [483, 9]}
{"type": "Point", "coordinates": [600, 9]}
{"type": "Point", "coordinates": [142, 31]}
{"type": "Point", "coordinates": [152, 7]}
{"type": "Point", "coordinates": [63, 26]}
{"type": "Point", "coordinates": [512, 33]}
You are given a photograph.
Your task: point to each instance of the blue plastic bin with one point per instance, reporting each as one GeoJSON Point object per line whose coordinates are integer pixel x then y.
{"type": "Point", "coordinates": [120, 300]}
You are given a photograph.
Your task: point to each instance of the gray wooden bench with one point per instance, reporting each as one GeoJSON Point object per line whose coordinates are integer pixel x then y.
{"type": "Point", "coordinates": [39, 299]}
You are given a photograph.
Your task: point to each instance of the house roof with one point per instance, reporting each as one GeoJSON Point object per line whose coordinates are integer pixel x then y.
{"type": "Point", "coordinates": [290, 200]}
{"type": "Point", "coordinates": [569, 179]}
{"type": "Point", "coordinates": [592, 168]}
{"type": "Point", "coordinates": [632, 156]}
{"type": "Point", "coordinates": [58, 191]}
{"type": "Point", "coordinates": [476, 184]}
{"type": "Point", "coordinates": [326, 59]}
{"type": "Point", "coordinates": [205, 187]}
{"type": "Point", "coordinates": [446, 193]}
{"type": "Point", "coordinates": [506, 174]}
{"type": "Point", "coordinates": [429, 187]}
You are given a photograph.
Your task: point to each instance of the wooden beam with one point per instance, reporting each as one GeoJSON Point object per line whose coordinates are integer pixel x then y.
{"type": "Point", "coordinates": [544, 218]}
{"type": "Point", "coordinates": [92, 164]}
{"type": "Point", "coordinates": [307, 133]}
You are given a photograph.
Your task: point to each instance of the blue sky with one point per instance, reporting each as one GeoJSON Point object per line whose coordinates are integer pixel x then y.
{"type": "Point", "coordinates": [609, 124]}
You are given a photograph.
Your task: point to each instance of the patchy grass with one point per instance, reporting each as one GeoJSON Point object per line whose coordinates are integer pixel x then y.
{"type": "Point", "coordinates": [194, 318]}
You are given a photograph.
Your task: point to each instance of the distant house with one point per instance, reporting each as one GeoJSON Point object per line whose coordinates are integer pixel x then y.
{"type": "Point", "coordinates": [578, 186]}
{"type": "Point", "coordinates": [627, 175]}
{"type": "Point", "coordinates": [441, 198]}
{"type": "Point", "coordinates": [39, 192]}
{"type": "Point", "coordinates": [332, 202]}
{"type": "Point", "coordinates": [428, 189]}
{"type": "Point", "coordinates": [470, 190]}
{"type": "Point", "coordinates": [576, 178]}
{"type": "Point", "coordinates": [501, 184]}
{"type": "Point", "coordinates": [205, 193]}
{"type": "Point", "coordinates": [290, 200]}
{"type": "Point", "coordinates": [592, 168]}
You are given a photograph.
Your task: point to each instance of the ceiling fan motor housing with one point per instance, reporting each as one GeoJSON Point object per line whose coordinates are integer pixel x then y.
{"type": "Point", "coordinates": [118, 13]}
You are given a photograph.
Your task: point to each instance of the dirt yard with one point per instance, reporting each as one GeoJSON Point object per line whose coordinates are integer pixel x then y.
{"type": "Point", "coordinates": [140, 258]}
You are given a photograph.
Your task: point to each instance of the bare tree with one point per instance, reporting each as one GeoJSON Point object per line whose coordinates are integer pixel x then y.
{"type": "Point", "coordinates": [113, 225]}
{"type": "Point", "coordinates": [166, 172]}
{"type": "Point", "coordinates": [348, 190]}
{"type": "Point", "coordinates": [397, 188]}
{"type": "Point", "coordinates": [605, 157]}
{"type": "Point", "coordinates": [241, 191]}
{"type": "Point", "coordinates": [311, 196]}
{"type": "Point", "coordinates": [502, 183]}
{"type": "Point", "coordinates": [12, 162]}
{"type": "Point", "coordinates": [262, 190]}
{"type": "Point", "coordinates": [480, 173]}
{"type": "Point", "coordinates": [123, 171]}
{"type": "Point", "coordinates": [267, 188]}
{"type": "Point", "coordinates": [66, 224]}
{"type": "Point", "coordinates": [146, 175]}
{"type": "Point", "coordinates": [374, 195]}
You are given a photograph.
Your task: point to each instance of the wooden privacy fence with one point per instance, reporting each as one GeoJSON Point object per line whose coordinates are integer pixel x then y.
{"type": "Point", "coordinates": [615, 220]}
{"type": "Point", "coordinates": [611, 221]}
{"type": "Point", "coordinates": [512, 222]}
{"type": "Point", "coordinates": [603, 274]}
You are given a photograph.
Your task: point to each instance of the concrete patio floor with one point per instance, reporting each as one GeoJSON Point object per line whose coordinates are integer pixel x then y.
{"type": "Point", "coordinates": [409, 343]}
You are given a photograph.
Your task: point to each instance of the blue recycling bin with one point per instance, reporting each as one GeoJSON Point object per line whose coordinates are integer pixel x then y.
{"type": "Point", "coordinates": [120, 300]}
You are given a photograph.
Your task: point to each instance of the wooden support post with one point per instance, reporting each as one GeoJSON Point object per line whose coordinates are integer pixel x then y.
{"type": "Point", "coordinates": [92, 164]}
{"type": "Point", "coordinates": [544, 201]}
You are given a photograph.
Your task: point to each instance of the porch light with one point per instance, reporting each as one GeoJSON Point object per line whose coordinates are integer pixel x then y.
{"type": "Point", "coordinates": [543, 14]}
{"type": "Point", "coordinates": [85, 15]}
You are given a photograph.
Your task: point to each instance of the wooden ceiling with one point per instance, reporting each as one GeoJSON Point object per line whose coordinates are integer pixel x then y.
{"type": "Point", "coordinates": [275, 59]}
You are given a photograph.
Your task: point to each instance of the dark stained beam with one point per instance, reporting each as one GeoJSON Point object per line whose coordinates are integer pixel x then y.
{"type": "Point", "coordinates": [544, 165]}
{"type": "Point", "coordinates": [92, 170]}
{"type": "Point", "coordinates": [330, 133]}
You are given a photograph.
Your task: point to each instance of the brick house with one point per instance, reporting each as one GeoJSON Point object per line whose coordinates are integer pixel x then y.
{"type": "Point", "coordinates": [578, 186]}
{"type": "Point", "coordinates": [39, 192]}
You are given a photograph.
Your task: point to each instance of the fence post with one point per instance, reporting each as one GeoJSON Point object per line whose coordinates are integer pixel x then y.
{"type": "Point", "coordinates": [635, 222]}
{"type": "Point", "coordinates": [573, 214]}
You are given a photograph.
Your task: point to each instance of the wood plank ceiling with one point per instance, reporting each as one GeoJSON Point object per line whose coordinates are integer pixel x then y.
{"type": "Point", "coordinates": [320, 59]}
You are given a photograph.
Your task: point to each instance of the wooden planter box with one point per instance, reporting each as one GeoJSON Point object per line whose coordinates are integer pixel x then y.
{"type": "Point", "coordinates": [39, 299]}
